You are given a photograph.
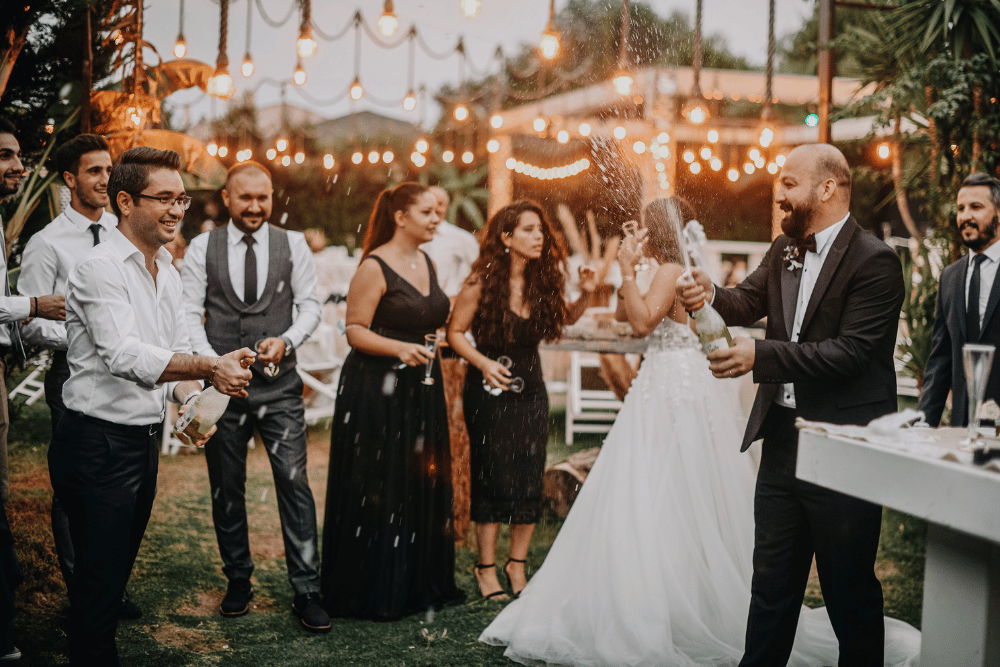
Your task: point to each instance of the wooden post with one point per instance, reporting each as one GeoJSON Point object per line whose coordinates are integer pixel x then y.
{"type": "Point", "coordinates": [87, 79]}
{"type": "Point", "coordinates": [501, 180]}
{"type": "Point", "coordinates": [826, 66]}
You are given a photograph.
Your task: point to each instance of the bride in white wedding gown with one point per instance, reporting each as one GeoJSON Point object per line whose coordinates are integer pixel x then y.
{"type": "Point", "coordinates": [653, 564]}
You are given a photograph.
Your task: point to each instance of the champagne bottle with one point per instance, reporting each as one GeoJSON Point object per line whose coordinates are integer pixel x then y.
{"type": "Point", "coordinates": [713, 334]}
{"type": "Point", "coordinates": [201, 415]}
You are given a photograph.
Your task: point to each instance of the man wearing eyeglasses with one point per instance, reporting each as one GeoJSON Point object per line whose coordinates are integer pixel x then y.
{"type": "Point", "coordinates": [128, 351]}
{"type": "Point", "coordinates": [249, 283]}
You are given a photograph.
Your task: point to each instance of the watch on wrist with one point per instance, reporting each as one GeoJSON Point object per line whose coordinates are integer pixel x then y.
{"type": "Point", "coordinates": [288, 344]}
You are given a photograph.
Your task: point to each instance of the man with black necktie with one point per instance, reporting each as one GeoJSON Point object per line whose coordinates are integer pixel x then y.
{"type": "Point", "coordinates": [832, 305]}
{"type": "Point", "coordinates": [250, 283]}
{"type": "Point", "coordinates": [968, 294]}
{"type": "Point", "coordinates": [50, 254]}
{"type": "Point", "coordinates": [12, 310]}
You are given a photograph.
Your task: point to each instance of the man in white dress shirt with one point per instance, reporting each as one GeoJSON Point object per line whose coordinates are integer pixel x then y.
{"type": "Point", "coordinates": [13, 309]}
{"type": "Point", "coordinates": [248, 283]}
{"type": "Point", "coordinates": [50, 254]}
{"type": "Point", "coordinates": [128, 352]}
{"type": "Point", "coordinates": [968, 295]}
{"type": "Point", "coordinates": [453, 249]}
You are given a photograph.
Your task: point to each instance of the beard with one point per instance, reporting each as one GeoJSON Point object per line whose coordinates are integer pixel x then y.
{"type": "Point", "coordinates": [985, 236]}
{"type": "Point", "coordinates": [5, 190]}
{"type": "Point", "coordinates": [797, 218]}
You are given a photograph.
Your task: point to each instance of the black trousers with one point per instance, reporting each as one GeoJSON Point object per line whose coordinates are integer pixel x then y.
{"type": "Point", "coordinates": [278, 413]}
{"type": "Point", "coordinates": [55, 378]}
{"type": "Point", "coordinates": [794, 520]}
{"type": "Point", "coordinates": [104, 475]}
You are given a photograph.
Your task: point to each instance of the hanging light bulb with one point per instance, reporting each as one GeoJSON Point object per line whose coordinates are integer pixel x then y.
{"type": "Point", "coordinates": [496, 121]}
{"type": "Point", "coordinates": [467, 157]}
{"type": "Point", "coordinates": [299, 75]}
{"type": "Point", "coordinates": [212, 148]}
{"type": "Point", "coordinates": [623, 83]}
{"type": "Point", "coordinates": [328, 161]}
{"type": "Point", "coordinates": [357, 157]}
{"type": "Point", "coordinates": [221, 84]}
{"type": "Point", "coordinates": [286, 160]}
{"type": "Point", "coordinates": [470, 8]}
{"type": "Point", "coordinates": [447, 156]}
{"type": "Point", "coordinates": [584, 129]}
{"type": "Point", "coordinates": [410, 101]}
{"type": "Point", "coordinates": [562, 137]}
{"type": "Point", "coordinates": [247, 67]}
{"type": "Point", "coordinates": [539, 124]}
{"type": "Point", "coordinates": [461, 112]}
{"type": "Point", "coordinates": [549, 44]}
{"type": "Point", "coordinates": [373, 157]}
{"type": "Point", "coordinates": [388, 24]}
{"type": "Point", "coordinates": [620, 132]}
{"type": "Point", "coordinates": [357, 90]}
{"type": "Point", "coordinates": [300, 157]}
{"type": "Point", "coordinates": [492, 145]}
{"type": "Point", "coordinates": [180, 46]}
{"type": "Point", "coordinates": [713, 136]}
{"type": "Point", "coordinates": [271, 154]}
{"type": "Point", "coordinates": [223, 151]}
{"type": "Point", "coordinates": [883, 151]}
{"type": "Point", "coordinates": [306, 45]}
{"type": "Point", "coordinates": [422, 145]}
{"type": "Point", "coordinates": [733, 175]}
{"type": "Point", "coordinates": [387, 157]}
{"type": "Point", "coordinates": [281, 145]}
{"type": "Point", "coordinates": [766, 137]}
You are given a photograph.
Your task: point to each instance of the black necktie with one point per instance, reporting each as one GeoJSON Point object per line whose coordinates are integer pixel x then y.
{"type": "Point", "coordinates": [95, 229]}
{"type": "Point", "coordinates": [250, 272]}
{"type": "Point", "coordinates": [972, 312]}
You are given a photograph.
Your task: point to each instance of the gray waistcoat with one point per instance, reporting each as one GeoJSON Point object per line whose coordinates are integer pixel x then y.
{"type": "Point", "coordinates": [231, 324]}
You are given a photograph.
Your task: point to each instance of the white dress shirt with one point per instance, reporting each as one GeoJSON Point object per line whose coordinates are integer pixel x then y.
{"type": "Point", "coordinates": [46, 263]}
{"type": "Point", "coordinates": [303, 285]}
{"type": "Point", "coordinates": [12, 308]}
{"type": "Point", "coordinates": [123, 330]}
{"type": "Point", "coordinates": [453, 250]}
{"type": "Point", "coordinates": [987, 274]}
{"type": "Point", "coordinates": [812, 264]}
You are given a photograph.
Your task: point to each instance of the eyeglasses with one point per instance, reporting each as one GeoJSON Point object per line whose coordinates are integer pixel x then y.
{"type": "Point", "coordinates": [183, 202]}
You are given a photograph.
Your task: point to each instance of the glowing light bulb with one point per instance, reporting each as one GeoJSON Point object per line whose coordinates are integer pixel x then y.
{"type": "Point", "coordinates": [623, 83]}
{"type": "Point", "coordinates": [584, 129]}
{"type": "Point", "coordinates": [695, 167]}
{"type": "Point", "coordinates": [286, 160]}
{"type": "Point", "coordinates": [373, 157]}
{"type": "Point", "coordinates": [698, 115]}
{"type": "Point", "coordinates": [418, 159]}
{"type": "Point", "coordinates": [539, 124]}
{"type": "Point", "coordinates": [733, 175]}
{"type": "Point", "coordinates": [422, 145]}
{"type": "Point", "coordinates": [281, 145]}
{"type": "Point", "coordinates": [212, 148]}
{"type": "Point", "coordinates": [754, 154]}
{"type": "Point", "coordinates": [562, 136]}
{"type": "Point", "coordinates": [180, 47]}
{"type": "Point", "coordinates": [461, 112]}
{"type": "Point", "coordinates": [223, 151]}
{"type": "Point", "coordinates": [663, 137]}
{"type": "Point", "coordinates": [221, 84]}
{"type": "Point", "coordinates": [660, 167]}
{"type": "Point", "coordinates": [271, 153]}
{"type": "Point", "coordinates": [688, 156]}
{"type": "Point", "coordinates": [447, 156]}
{"type": "Point", "coordinates": [748, 168]}
{"type": "Point", "coordinates": [357, 90]}
{"type": "Point", "coordinates": [328, 161]}
{"type": "Point", "coordinates": [300, 157]}
{"type": "Point", "coordinates": [766, 137]}
{"type": "Point", "coordinates": [306, 44]}
{"type": "Point", "coordinates": [492, 145]}
{"type": "Point", "coordinates": [883, 151]}
{"type": "Point", "coordinates": [639, 147]}
{"type": "Point", "coordinates": [247, 68]}
{"type": "Point", "coordinates": [549, 44]}
{"type": "Point", "coordinates": [299, 75]}
{"type": "Point", "coordinates": [496, 121]}
{"type": "Point", "coordinates": [772, 168]}
{"type": "Point", "coordinates": [467, 157]}
{"type": "Point", "coordinates": [713, 136]}
{"type": "Point", "coordinates": [470, 8]}
{"type": "Point", "coordinates": [357, 157]}
{"type": "Point", "coordinates": [410, 101]}
{"type": "Point", "coordinates": [705, 153]}
{"type": "Point", "coordinates": [780, 160]}
{"type": "Point", "coordinates": [715, 163]}
{"type": "Point", "coordinates": [620, 132]}
{"type": "Point", "coordinates": [387, 157]}
{"type": "Point", "coordinates": [388, 24]}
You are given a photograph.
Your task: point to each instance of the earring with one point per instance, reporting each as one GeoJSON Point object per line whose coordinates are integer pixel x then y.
{"type": "Point", "coordinates": [506, 250]}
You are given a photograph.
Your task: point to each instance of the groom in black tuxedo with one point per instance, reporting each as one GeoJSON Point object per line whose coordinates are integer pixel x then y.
{"type": "Point", "coordinates": [831, 293]}
{"type": "Point", "coordinates": [967, 299]}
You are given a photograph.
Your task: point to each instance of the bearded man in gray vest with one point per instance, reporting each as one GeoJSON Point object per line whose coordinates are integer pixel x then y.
{"type": "Point", "coordinates": [241, 282]}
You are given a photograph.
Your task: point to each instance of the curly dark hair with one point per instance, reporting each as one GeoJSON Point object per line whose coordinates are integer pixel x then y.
{"type": "Point", "coordinates": [544, 280]}
{"type": "Point", "coordinates": [382, 223]}
{"type": "Point", "coordinates": [662, 240]}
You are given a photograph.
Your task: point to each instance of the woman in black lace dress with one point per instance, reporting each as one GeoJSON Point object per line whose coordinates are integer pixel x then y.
{"type": "Point", "coordinates": [388, 548]}
{"type": "Point", "coordinates": [513, 300]}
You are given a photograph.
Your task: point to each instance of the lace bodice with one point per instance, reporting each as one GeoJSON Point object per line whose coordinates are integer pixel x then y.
{"type": "Point", "coordinates": [670, 335]}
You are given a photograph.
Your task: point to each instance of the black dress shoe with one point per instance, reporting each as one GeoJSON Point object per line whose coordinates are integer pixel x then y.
{"type": "Point", "coordinates": [314, 618]}
{"type": "Point", "coordinates": [237, 600]}
{"type": "Point", "coordinates": [129, 610]}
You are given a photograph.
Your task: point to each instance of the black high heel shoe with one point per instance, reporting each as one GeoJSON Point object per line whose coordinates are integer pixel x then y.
{"type": "Point", "coordinates": [492, 596]}
{"type": "Point", "coordinates": [517, 594]}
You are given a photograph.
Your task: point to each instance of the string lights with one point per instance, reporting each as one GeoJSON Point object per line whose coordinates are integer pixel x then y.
{"type": "Point", "coordinates": [221, 84]}
{"type": "Point", "coordinates": [388, 24]}
{"type": "Point", "coordinates": [246, 69]}
{"type": "Point", "coordinates": [180, 46]}
{"type": "Point", "coordinates": [306, 45]}
{"type": "Point", "coordinates": [547, 174]}
{"type": "Point", "coordinates": [470, 8]}
{"type": "Point", "coordinates": [549, 44]}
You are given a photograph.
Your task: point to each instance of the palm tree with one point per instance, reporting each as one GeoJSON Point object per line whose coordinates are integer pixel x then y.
{"type": "Point", "coordinates": [465, 189]}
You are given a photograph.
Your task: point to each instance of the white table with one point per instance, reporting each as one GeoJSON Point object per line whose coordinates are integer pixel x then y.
{"type": "Point", "coordinates": [961, 503]}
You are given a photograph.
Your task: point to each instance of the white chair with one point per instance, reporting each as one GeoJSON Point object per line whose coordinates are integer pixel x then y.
{"type": "Point", "coordinates": [587, 410]}
{"type": "Point", "coordinates": [32, 386]}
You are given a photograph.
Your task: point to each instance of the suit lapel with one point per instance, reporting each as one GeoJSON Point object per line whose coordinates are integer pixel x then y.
{"type": "Point", "coordinates": [833, 259]}
{"type": "Point", "coordinates": [789, 296]}
{"type": "Point", "coordinates": [991, 304]}
{"type": "Point", "coordinates": [960, 300]}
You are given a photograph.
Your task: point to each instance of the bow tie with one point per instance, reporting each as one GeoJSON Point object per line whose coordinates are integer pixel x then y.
{"type": "Point", "coordinates": [808, 243]}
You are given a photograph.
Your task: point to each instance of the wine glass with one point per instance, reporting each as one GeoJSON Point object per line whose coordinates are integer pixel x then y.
{"type": "Point", "coordinates": [631, 230]}
{"type": "Point", "coordinates": [978, 360]}
{"type": "Point", "coordinates": [271, 368]}
{"type": "Point", "coordinates": [430, 342]}
{"type": "Point", "coordinates": [516, 384]}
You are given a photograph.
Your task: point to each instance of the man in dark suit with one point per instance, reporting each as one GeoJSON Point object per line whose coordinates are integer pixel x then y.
{"type": "Point", "coordinates": [831, 293]}
{"type": "Point", "coordinates": [967, 299]}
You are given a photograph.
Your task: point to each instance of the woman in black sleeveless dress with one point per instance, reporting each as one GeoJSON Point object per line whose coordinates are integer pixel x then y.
{"type": "Point", "coordinates": [388, 548]}
{"type": "Point", "coordinates": [513, 300]}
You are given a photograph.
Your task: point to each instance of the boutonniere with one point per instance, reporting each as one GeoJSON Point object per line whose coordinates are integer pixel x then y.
{"type": "Point", "coordinates": [791, 257]}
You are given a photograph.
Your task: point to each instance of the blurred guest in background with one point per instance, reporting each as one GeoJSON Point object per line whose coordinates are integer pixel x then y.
{"type": "Point", "coordinates": [388, 545]}
{"type": "Point", "coordinates": [513, 300]}
{"type": "Point", "coordinates": [453, 249]}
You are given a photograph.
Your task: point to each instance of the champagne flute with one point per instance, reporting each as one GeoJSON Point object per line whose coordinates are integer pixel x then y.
{"type": "Point", "coordinates": [516, 384]}
{"type": "Point", "coordinates": [430, 342]}
{"type": "Point", "coordinates": [978, 360]}
{"type": "Point", "coordinates": [270, 369]}
{"type": "Point", "coordinates": [631, 230]}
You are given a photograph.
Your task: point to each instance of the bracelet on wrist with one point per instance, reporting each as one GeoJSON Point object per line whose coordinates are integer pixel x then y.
{"type": "Point", "coordinates": [211, 378]}
{"type": "Point", "coordinates": [34, 306]}
{"type": "Point", "coordinates": [190, 396]}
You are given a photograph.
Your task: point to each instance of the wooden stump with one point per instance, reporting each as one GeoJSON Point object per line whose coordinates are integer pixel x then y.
{"type": "Point", "coordinates": [453, 372]}
{"type": "Point", "coordinates": [561, 483]}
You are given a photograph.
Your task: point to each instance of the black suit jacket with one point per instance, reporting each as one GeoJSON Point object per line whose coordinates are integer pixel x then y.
{"type": "Point", "coordinates": [944, 366]}
{"type": "Point", "coordinates": [842, 366]}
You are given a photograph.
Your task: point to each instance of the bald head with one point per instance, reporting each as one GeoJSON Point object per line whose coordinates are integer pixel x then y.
{"type": "Point", "coordinates": [813, 189]}
{"type": "Point", "coordinates": [441, 195]}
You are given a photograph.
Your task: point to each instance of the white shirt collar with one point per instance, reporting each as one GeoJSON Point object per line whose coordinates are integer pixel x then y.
{"type": "Point", "coordinates": [260, 236]}
{"type": "Point", "coordinates": [123, 248]}
{"type": "Point", "coordinates": [992, 253]}
{"type": "Point", "coordinates": [825, 237]}
{"type": "Point", "coordinates": [83, 223]}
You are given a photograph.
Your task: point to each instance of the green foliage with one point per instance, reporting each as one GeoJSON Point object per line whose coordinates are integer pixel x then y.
{"type": "Point", "coordinates": [468, 194]}
{"type": "Point", "coordinates": [918, 313]}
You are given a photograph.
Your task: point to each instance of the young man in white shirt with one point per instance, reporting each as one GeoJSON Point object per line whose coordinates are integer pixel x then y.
{"type": "Point", "coordinates": [128, 351]}
{"type": "Point", "coordinates": [85, 165]}
{"type": "Point", "coordinates": [453, 249]}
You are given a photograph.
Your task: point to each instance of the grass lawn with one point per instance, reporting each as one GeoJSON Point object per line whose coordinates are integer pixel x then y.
{"type": "Point", "coordinates": [178, 579]}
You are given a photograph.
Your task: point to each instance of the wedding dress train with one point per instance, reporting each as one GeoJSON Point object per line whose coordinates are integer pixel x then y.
{"type": "Point", "coordinates": [653, 564]}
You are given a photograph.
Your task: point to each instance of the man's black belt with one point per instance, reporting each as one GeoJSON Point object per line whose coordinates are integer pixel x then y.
{"type": "Point", "coordinates": [124, 429]}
